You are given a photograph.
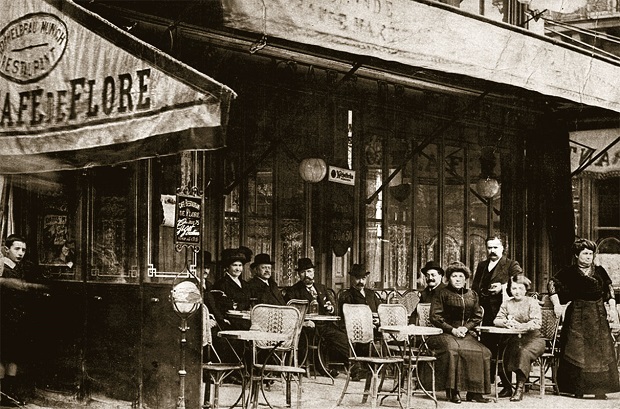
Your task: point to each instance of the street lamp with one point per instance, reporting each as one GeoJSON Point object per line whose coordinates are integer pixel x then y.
{"type": "Point", "coordinates": [186, 299]}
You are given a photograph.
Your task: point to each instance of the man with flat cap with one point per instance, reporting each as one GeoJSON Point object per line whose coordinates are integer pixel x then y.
{"type": "Point", "coordinates": [262, 287]}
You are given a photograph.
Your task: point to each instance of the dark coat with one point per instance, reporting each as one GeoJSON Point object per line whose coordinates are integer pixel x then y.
{"type": "Point", "coordinates": [299, 292]}
{"type": "Point", "coordinates": [426, 295]}
{"type": "Point", "coordinates": [265, 293]}
{"type": "Point", "coordinates": [353, 296]}
{"type": "Point", "coordinates": [226, 291]}
{"type": "Point", "coordinates": [503, 271]}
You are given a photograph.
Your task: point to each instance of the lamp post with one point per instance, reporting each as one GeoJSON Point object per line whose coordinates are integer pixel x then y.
{"type": "Point", "coordinates": [186, 300]}
{"type": "Point", "coordinates": [488, 186]}
{"type": "Point", "coordinates": [311, 170]}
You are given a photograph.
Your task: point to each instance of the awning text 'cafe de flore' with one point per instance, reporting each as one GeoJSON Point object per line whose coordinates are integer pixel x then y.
{"type": "Point", "coordinates": [99, 132]}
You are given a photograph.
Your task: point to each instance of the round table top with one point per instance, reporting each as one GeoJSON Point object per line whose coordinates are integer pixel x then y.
{"type": "Point", "coordinates": [491, 329]}
{"type": "Point", "coordinates": [239, 314]}
{"type": "Point", "coordinates": [252, 335]}
{"type": "Point", "coordinates": [410, 330]}
{"type": "Point", "coordinates": [319, 317]}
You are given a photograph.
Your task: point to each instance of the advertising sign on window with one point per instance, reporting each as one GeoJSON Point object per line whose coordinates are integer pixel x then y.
{"type": "Point", "coordinates": [188, 221]}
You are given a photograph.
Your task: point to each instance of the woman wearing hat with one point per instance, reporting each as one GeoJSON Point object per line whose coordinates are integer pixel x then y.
{"type": "Point", "coordinates": [230, 291]}
{"type": "Point", "coordinates": [463, 363]}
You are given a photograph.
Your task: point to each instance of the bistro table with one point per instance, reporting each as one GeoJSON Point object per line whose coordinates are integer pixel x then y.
{"type": "Point", "coordinates": [249, 336]}
{"type": "Point", "coordinates": [413, 331]}
{"type": "Point", "coordinates": [490, 329]}
{"type": "Point", "coordinates": [316, 340]}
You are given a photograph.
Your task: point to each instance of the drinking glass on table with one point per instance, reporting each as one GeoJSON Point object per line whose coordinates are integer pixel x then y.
{"type": "Point", "coordinates": [234, 305]}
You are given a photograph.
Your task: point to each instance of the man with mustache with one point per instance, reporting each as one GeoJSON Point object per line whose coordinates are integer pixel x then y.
{"type": "Point", "coordinates": [358, 293]}
{"type": "Point", "coordinates": [490, 283]}
{"type": "Point", "coordinates": [307, 289]}
{"type": "Point", "coordinates": [263, 288]}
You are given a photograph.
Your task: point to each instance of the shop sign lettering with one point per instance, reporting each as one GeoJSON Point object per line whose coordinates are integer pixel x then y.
{"type": "Point", "coordinates": [83, 99]}
{"type": "Point", "coordinates": [31, 46]}
{"type": "Point", "coordinates": [341, 175]}
{"type": "Point", "coordinates": [188, 220]}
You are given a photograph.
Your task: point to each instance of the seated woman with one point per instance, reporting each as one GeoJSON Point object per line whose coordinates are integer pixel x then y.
{"type": "Point", "coordinates": [463, 363]}
{"type": "Point", "coordinates": [521, 312]}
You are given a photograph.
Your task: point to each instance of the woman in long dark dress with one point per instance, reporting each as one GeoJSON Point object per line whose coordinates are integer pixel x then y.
{"type": "Point", "coordinates": [587, 360]}
{"type": "Point", "coordinates": [463, 363]}
{"type": "Point", "coordinates": [523, 313]}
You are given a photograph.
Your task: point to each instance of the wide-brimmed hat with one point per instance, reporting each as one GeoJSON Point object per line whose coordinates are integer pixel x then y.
{"type": "Point", "coordinates": [304, 264]}
{"type": "Point", "coordinates": [242, 254]}
{"type": "Point", "coordinates": [359, 271]}
{"type": "Point", "coordinates": [457, 266]}
{"type": "Point", "coordinates": [261, 258]}
{"type": "Point", "coordinates": [431, 265]}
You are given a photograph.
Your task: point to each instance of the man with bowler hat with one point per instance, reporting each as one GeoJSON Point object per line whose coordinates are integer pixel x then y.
{"type": "Point", "coordinates": [307, 289]}
{"type": "Point", "coordinates": [433, 274]}
{"type": "Point", "coordinates": [262, 287]}
{"type": "Point", "coordinates": [358, 293]}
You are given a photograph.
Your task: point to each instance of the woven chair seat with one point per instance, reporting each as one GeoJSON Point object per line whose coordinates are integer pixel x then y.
{"type": "Point", "coordinates": [421, 358]}
{"type": "Point", "coordinates": [281, 368]}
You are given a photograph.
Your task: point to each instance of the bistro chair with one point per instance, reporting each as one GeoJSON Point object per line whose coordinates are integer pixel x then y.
{"type": "Point", "coordinates": [215, 371]}
{"type": "Point", "coordinates": [424, 314]}
{"type": "Point", "coordinates": [359, 328]}
{"type": "Point", "coordinates": [309, 341]}
{"type": "Point", "coordinates": [549, 359]}
{"type": "Point", "coordinates": [276, 319]}
{"type": "Point", "coordinates": [409, 299]}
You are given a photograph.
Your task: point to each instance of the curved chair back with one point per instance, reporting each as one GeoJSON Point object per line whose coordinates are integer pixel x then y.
{"type": "Point", "coordinates": [278, 319]}
{"type": "Point", "coordinates": [301, 305]}
{"type": "Point", "coordinates": [393, 314]}
{"type": "Point", "coordinates": [358, 323]}
{"type": "Point", "coordinates": [409, 299]}
{"type": "Point", "coordinates": [424, 314]}
{"type": "Point", "coordinates": [549, 326]}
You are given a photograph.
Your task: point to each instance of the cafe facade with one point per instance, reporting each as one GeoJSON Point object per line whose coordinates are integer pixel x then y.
{"type": "Point", "coordinates": [355, 136]}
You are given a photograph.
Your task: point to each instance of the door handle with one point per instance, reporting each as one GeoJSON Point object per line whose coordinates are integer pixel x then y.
{"type": "Point", "coordinates": [97, 298]}
{"type": "Point", "coordinates": [154, 300]}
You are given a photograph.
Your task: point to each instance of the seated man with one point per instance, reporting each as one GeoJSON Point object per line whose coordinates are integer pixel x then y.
{"type": "Point", "coordinates": [262, 287]}
{"type": "Point", "coordinates": [358, 293]}
{"type": "Point", "coordinates": [307, 289]}
{"type": "Point", "coordinates": [433, 273]}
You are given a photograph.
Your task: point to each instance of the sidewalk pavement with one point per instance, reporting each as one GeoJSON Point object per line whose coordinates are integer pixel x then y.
{"type": "Point", "coordinates": [319, 393]}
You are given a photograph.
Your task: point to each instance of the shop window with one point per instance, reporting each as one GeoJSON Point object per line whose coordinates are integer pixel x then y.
{"type": "Point", "coordinates": [58, 208]}
{"type": "Point", "coordinates": [113, 249]}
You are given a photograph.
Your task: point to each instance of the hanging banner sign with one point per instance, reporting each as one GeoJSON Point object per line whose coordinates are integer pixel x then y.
{"type": "Point", "coordinates": [425, 36]}
{"type": "Point", "coordinates": [585, 145]}
{"type": "Point", "coordinates": [188, 221]}
{"type": "Point", "coordinates": [341, 175]}
{"type": "Point", "coordinates": [78, 91]}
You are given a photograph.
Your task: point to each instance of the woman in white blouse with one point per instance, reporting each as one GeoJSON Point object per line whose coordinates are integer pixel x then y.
{"type": "Point", "coordinates": [521, 312]}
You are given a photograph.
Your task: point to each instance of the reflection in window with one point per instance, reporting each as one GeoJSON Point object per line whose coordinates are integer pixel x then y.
{"type": "Point", "coordinates": [113, 241]}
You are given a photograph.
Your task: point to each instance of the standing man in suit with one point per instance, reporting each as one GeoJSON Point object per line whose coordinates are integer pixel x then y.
{"type": "Point", "coordinates": [263, 288]}
{"type": "Point", "coordinates": [490, 283]}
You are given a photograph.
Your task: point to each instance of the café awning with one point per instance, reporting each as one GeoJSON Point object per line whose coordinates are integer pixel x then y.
{"type": "Point", "coordinates": [79, 92]}
{"type": "Point", "coordinates": [433, 36]}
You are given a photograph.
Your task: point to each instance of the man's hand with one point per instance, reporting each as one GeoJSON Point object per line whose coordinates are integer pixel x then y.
{"type": "Point", "coordinates": [495, 288]}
